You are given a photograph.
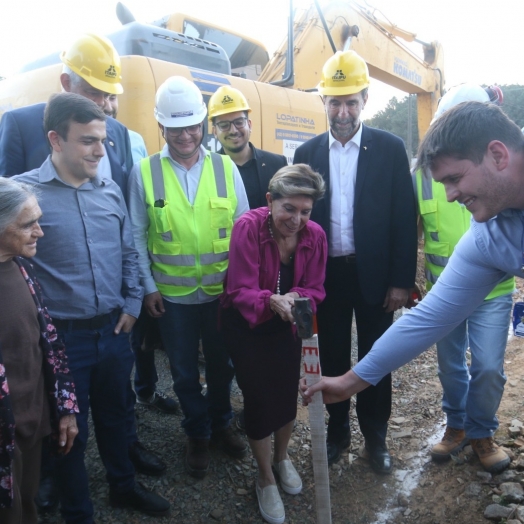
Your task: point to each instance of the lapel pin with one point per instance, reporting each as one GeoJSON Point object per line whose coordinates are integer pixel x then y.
{"type": "Point", "coordinates": [112, 144]}
{"type": "Point", "coordinates": [365, 148]}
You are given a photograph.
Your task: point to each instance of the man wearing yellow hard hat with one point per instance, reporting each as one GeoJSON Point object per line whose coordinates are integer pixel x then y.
{"type": "Point", "coordinates": [370, 221]}
{"type": "Point", "coordinates": [91, 69]}
{"type": "Point", "coordinates": [228, 112]}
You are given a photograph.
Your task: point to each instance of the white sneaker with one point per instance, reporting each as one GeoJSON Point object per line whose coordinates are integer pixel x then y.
{"type": "Point", "coordinates": [289, 478]}
{"type": "Point", "coordinates": [270, 504]}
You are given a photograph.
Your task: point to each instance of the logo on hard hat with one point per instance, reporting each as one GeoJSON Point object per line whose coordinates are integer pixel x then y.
{"type": "Point", "coordinates": [227, 100]}
{"type": "Point", "coordinates": [339, 76]}
{"type": "Point", "coordinates": [111, 72]}
{"type": "Point", "coordinates": [182, 114]}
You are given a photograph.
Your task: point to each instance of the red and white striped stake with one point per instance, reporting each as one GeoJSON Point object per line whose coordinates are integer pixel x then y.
{"type": "Point", "coordinates": [318, 432]}
{"type": "Point", "coordinates": [304, 320]}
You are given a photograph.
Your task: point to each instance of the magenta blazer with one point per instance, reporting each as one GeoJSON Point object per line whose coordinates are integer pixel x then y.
{"type": "Point", "coordinates": [254, 263]}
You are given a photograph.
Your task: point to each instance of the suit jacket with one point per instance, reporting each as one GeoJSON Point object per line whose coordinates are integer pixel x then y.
{"type": "Point", "coordinates": [267, 165]}
{"type": "Point", "coordinates": [24, 146]}
{"type": "Point", "coordinates": [384, 219]}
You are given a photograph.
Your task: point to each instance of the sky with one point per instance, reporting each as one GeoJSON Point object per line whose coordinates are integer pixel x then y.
{"type": "Point", "coordinates": [483, 45]}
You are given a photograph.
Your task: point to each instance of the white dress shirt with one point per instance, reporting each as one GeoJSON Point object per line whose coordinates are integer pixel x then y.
{"type": "Point", "coordinates": [343, 160]}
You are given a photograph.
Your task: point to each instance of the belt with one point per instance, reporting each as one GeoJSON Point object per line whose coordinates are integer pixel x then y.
{"type": "Point", "coordinates": [93, 323]}
{"type": "Point", "coordinates": [346, 259]}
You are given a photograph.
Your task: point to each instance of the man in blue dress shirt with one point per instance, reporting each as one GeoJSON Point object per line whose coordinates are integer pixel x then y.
{"type": "Point", "coordinates": [88, 269]}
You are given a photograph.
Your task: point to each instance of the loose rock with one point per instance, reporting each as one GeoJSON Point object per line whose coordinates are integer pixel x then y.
{"type": "Point", "coordinates": [512, 492]}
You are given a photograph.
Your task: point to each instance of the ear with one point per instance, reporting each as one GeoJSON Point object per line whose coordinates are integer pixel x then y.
{"type": "Point", "coordinates": [364, 101]}
{"type": "Point", "coordinates": [499, 154]}
{"type": "Point", "coordinates": [55, 140]}
{"type": "Point", "coordinates": [161, 127]}
{"type": "Point", "coordinates": [65, 80]}
{"type": "Point", "coordinates": [269, 199]}
{"type": "Point", "coordinates": [214, 131]}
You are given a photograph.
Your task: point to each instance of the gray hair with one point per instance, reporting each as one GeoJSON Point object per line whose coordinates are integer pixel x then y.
{"type": "Point", "coordinates": [297, 180]}
{"type": "Point", "coordinates": [75, 78]}
{"type": "Point", "coordinates": [13, 195]}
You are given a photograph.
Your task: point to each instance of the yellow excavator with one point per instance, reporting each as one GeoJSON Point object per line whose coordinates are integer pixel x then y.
{"type": "Point", "coordinates": [281, 91]}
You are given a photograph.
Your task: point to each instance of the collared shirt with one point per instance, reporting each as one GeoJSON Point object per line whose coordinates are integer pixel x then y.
{"type": "Point", "coordinates": [189, 180]}
{"type": "Point", "coordinates": [86, 261]}
{"type": "Point", "coordinates": [343, 162]}
{"type": "Point", "coordinates": [487, 254]}
{"type": "Point", "coordinates": [138, 146]}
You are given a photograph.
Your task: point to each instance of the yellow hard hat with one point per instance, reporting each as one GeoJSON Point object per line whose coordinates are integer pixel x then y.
{"type": "Point", "coordinates": [345, 73]}
{"type": "Point", "coordinates": [226, 99]}
{"type": "Point", "coordinates": [95, 59]}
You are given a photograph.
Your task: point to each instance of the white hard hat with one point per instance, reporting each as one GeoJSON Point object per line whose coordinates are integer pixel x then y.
{"type": "Point", "coordinates": [459, 94]}
{"type": "Point", "coordinates": [179, 103]}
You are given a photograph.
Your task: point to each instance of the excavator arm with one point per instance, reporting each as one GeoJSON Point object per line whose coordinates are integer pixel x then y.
{"type": "Point", "coordinates": [377, 41]}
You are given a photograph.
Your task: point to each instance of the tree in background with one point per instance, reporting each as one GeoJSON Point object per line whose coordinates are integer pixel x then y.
{"type": "Point", "coordinates": [394, 117]}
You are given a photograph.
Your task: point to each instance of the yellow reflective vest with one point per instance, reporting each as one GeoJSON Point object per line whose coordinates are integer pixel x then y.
{"type": "Point", "coordinates": [189, 244]}
{"type": "Point", "coordinates": [444, 223]}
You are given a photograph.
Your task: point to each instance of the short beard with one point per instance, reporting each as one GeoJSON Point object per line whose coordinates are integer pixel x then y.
{"type": "Point", "coordinates": [345, 133]}
{"type": "Point", "coordinates": [236, 149]}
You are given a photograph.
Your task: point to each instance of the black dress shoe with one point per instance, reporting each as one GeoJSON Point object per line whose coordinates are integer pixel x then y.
{"type": "Point", "coordinates": [379, 458]}
{"type": "Point", "coordinates": [335, 448]}
{"type": "Point", "coordinates": [146, 461]}
{"type": "Point", "coordinates": [141, 499]}
{"type": "Point", "coordinates": [46, 499]}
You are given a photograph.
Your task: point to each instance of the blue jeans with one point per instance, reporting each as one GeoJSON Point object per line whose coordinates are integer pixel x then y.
{"type": "Point", "coordinates": [101, 364]}
{"type": "Point", "coordinates": [472, 396]}
{"type": "Point", "coordinates": [181, 327]}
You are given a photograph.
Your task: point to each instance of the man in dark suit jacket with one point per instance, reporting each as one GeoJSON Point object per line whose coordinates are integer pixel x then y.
{"type": "Point", "coordinates": [369, 217]}
{"type": "Point", "coordinates": [91, 69]}
{"type": "Point", "coordinates": [228, 110]}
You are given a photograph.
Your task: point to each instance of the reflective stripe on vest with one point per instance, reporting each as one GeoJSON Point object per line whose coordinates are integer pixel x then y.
{"type": "Point", "coordinates": [159, 191]}
{"type": "Point", "coordinates": [188, 243]}
{"type": "Point", "coordinates": [444, 224]}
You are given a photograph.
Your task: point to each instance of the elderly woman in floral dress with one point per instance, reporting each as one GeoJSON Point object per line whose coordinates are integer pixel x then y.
{"type": "Point", "coordinates": [37, 395]}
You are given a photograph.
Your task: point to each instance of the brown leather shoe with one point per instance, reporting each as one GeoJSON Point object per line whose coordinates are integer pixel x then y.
{"type": "Point", "coordinates": [452, 441]}
{"type": "Point", "coordinates": [229, 442]}
{"type": "Point", "coordinates": [491, 456]}
{"type": "Point", "coordinates": [197, 457]}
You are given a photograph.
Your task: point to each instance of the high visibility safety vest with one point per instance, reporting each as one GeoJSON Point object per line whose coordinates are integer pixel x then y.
{"type": "Point", "coordinates": [189, 244]}
{"type": "Point", "coordinates": [444, 223]}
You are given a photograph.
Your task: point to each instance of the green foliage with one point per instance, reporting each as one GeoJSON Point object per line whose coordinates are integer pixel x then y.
{"type": "Point", "coordinates": [394, 117]}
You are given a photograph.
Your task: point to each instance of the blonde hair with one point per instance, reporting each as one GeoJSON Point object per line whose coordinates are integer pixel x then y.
{"type": "Point", "coordinates": [295, 180]}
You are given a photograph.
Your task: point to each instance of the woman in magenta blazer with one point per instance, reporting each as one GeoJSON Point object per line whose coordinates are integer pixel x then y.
{"type": "Point", "coordinates": [276, 255]}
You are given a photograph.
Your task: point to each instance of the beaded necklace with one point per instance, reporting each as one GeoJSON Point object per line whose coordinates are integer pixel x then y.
{"type": "Point", "coordinates": [273, 237]}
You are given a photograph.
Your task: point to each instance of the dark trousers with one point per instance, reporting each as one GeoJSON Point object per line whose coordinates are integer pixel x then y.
{"type": "Point", "coordinates": [101, 364]}
{"type": "Point", "coordinates": [182, 326]}
{"type": "Point", "coordinates": [145, 370]}
{"type": "Point", "coordinates": [144, 332]}
{"type": "Point", "coordinates": [335, 314]}
{"type": "Point", "coordinates": [26, 473]}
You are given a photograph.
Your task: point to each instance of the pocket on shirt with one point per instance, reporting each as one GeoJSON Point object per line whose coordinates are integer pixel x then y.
{"type": "Point", "coordinates": [161, 219]}
{"type": "Point", "coordinates": [221, 213]}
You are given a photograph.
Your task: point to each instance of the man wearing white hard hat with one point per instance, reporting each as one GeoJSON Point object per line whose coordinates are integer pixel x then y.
{"type": "Point", "coordinates": [471, 395]}
{"type": "Point", "coordinates": [183, 202]}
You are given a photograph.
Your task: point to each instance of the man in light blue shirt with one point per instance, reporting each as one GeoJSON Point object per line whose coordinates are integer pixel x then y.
{"type": "Point", "coordinates": [183, 202]}
{"type": "Point", "coordinates": [477, 152]}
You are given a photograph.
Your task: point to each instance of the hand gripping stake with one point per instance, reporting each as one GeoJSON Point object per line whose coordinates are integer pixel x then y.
{"type": "Point", "coordinates": [304, 320]}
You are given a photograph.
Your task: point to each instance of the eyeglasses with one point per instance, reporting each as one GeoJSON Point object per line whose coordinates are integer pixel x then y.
{"type": "Point", "coordinates": [177, 131]}
{"type": "Point", "coordinates": [225, 125]}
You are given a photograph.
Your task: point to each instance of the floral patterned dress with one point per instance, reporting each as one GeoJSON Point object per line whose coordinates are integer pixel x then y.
{"type": "Point", "coordinates": [58, 384]}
